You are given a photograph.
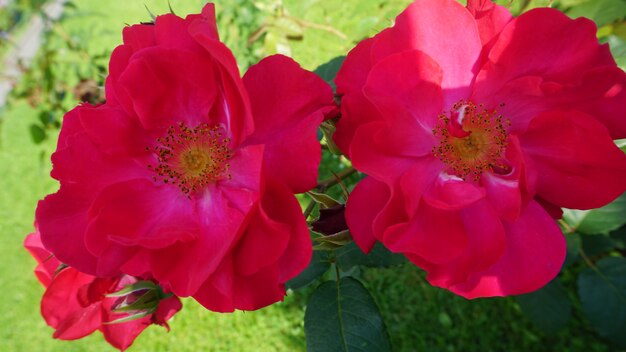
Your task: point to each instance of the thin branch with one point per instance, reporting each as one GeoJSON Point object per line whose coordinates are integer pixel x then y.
{"type": "Point", "coordinates": [567, 227]}
{"type": "Point", "coordinates": [309, 209]}
{"type": "Point", "coordinates": [588, 261]}
{"type": "Point", "coordinates": [326, 28]}
{"type": "Point", "coordinates": [335, 179]}
{"type": "Point", "coordinates": [323, 185]}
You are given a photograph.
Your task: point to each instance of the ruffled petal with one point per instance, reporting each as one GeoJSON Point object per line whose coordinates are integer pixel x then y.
{"type": "Point", "coordinates": [62, 310]}
{"type": "Point", "coordinates": [365, 202]}
{"type": "Point", "coordinates": [509, 193]}
{"type": "Point", "coordinates": [221, 226]}
{"type": "Point", "coordinates": [490, 18]}
{"type": "Point", "coordinates": [371, 156]}
{"type": "Point", "coordinates": [404, 88]}
{"type": "Point", "coordinates": [163, 92]}
{"type": "Point", "coordinates": [62, 219]}
{"type": "Point", "coordinates": [264, 241]}
{"type": "Point", "coordinates": [172, 31]}
{"type": "Point", "coordinates": [121, 335]}
{"type": "Point", "coordinates": [71, 125]}
{"type": "Point", "coordinates": [137, 213]}
{"type": "Point", "coordinates": [113, 132]}
{"type": "Point", "coordinates": [355, 107]}
{"type": "Point", "coordinates": [533, 256]}
{"type": "Point", "coordinates": [408, 85]}
{"type": "Point", "coordinates": [84, 165]}
{"type": "Point", "coordinates": [436, 235]}
{"type": "Point", "coordinates": [205, 22]}
{"type": "Point", "coordinates": [235, 101]}
{"type": "Point", "coordinates": [47, 264]}
{"type": "Point", "coordinates": [288, 105]}
{"type": "Point", "coordinates": [355, 69]}
{"type": "Point", "coordinates": [600, 92]}
{"type": "Point", "coordinates": [297, 255]}
{"type": "Point", "coordinates": [115, 93]}
{"type": "Point", "coordinates": [452, 193]}
{"type": "Point", "coordinates": [577, 163]}
{"type": "Point", "coordinates": [532, 45]}
{"type": "Point", "coordinates": [485, 245]}
{"type": "Point", "coordinates": [139, 36]}
{"type": "Point", "coordinates": [443, 30]}
{"type": "Point", "coordinates": [226, 291]}
{"type": "Point", "coordinates": [419, 179]}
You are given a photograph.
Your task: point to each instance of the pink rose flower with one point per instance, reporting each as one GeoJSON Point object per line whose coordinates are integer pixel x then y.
{"type": "Point", "coordinates": [187, 173]}
{"type": "Point", "coordinates": [75, 304]}
{"type": "Point", "coordinates": [474, 128]}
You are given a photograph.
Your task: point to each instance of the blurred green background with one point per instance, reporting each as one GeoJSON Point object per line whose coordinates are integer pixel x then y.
{"type": "Point", "coordinates": [76, 48]}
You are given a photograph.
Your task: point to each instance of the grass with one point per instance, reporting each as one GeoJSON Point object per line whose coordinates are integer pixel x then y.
{"type": "Point", "coordinates": [419, 317]}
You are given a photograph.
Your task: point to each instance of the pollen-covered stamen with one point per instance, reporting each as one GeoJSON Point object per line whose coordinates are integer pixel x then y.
{"type": "Point", "coordinates": [472, 140]}
{"type": "Point", "coordinates": [191, 158]}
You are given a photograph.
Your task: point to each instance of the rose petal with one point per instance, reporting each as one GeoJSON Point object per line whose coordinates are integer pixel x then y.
{"type": "Point", "coordinates": [485, 245]}
{"type": "Point", "coordinates": [577, 163]}
{"type": "Point", "coordinates": [365, 202]}
{"type": "Point", "coordinates": [288, 104]}
{"type": "Point", "coordinates": [62, 220]}
{"type": "Point", "coordinates": [443, 30]}
{"type": "Point", "coordinates": [534, 253]}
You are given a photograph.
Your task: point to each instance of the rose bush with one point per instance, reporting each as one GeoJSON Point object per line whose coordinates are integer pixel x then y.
{"type": "Point", "coordinates": [186, 174]}
{"type": "Point", "coordinates": [76, 304]}
{"type": "Point", "coordinates": [474, 128]}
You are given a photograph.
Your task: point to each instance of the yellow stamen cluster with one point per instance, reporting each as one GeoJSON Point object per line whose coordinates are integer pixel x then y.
{"type": "Point", "coordinates": [472, 140]}
{"type": "Point", "coordinates": [191, 158]}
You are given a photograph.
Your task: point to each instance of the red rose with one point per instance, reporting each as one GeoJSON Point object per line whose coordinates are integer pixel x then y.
{"type": "Point", "coordinates": [474, 129]}
{"type": "Point", "coordinates": [187, 173]}
{"type": "Point", "coordinates": [75, 304]}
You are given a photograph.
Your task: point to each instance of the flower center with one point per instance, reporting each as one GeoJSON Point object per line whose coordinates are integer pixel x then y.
{"type": "Point", "coordinates": [191, 158]}
{"type": "Point", "coordinates": [472, 140]}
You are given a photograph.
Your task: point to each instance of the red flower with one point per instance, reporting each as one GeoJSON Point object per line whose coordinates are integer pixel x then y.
{"type": "Point", "coordinates": [187, 173]}
{"type": "Point", "coordinates": [474, 128]}
{"type": "Point", "coordinates": [75, 304]}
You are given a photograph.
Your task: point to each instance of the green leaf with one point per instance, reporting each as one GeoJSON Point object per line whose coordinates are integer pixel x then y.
{"type": "Point", "coordinates": [137, 286]}
{"type": "Point", "coordinates": [549, 308]}
{"type": "Point", "coordinates": [601, 11]}
{"type": "Point", "coordinates": [619, 237]}
{"type": "Point", "coordinates": [342, 316]}
{"type": "Point", "coordinates": [152, 16]}
{"type": "Point", "coordinates": [128, 318]}
{"type": "Point", "coordinates": [46, 118]}
{"type": "Point", "coordinates": [324, 200]}
{"type": "Point", "coordinates": [595, 245]}
{"type": "Point", "coordinates": [621, 143]}
{"type": "Point", "coordinates": [333, 241]}
{"type": "Point", "coordinates": [317, 267]}
{"type": "Point", "coordinates": [60, 267]}
{"type": "Point", "coordinates": [328, 71]}
{"type": "Point", "coordinates": [603, 297]}
{"type": "Point", "coordinates": [148, 301]}
{"type": "Point", "coordinates": [37, 133]}
{"type": "Point", "coordinates": [574, 242]}
{"type": "Point", "coordinates": [351, 255]}
{"type": "Point", "coordinates": [328, 130]}
{"type": "Point", "coordinates": [602, 220]}
{"type": "Point", "coordinates": [169, 5]}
